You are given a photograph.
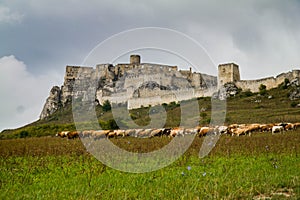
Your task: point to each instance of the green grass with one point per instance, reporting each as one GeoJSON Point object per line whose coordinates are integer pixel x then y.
{"type": "Point", "coordinates": [237, 168]}
{"type": "Point", "coordinates": [263, 165]}
{"type": "Point", "coordinates": [210, 178]}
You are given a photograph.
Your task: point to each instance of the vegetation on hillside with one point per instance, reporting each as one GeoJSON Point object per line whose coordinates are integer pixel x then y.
{"type": "Point", "coordinates": [266, 106]}
{"type": "Point", "coordinates": [263, 166]}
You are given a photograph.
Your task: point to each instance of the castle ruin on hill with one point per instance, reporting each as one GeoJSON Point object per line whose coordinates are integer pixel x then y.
{"type": "Point", "coordinates": [139, 84]}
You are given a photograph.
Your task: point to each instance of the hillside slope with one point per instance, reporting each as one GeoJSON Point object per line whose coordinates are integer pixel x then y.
{"type": "Point", "coordinates": [268, 106]}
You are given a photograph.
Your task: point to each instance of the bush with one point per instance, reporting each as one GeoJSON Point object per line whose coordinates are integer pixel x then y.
{"type": "Point", "coordinates": [294, 104]}
{"type": "Point", "coordinates": [284, 85]}
{"type": "Point", "coordinates": [262, 89]}
{"type": "Point", "coordinates": [133, 116]}
{"type": "Point", "coordinates": [23, 134]}
{"type": "Point", "coordinates": [173, 105]}
{"type": "Point", "coordinates": [248, 93]}
{"type": "Point", "coordinates": [106, 106]}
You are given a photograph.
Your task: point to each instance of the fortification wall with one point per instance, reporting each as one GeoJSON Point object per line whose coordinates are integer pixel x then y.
{"type": "Point", "coordinates": [73, 71]}
{"type": "Point", "coordinates": [270, 82]}
{"type": "Point", "coordinates": [115, 98]}
{"type": "Point", "coordinates": [167, 97]}
{"type": "Point", "coordinates": [137, 80]}
{"type": "Point", "coordinates": [253, 85]}
{"type": "Point", "coordinates": [150, 92]}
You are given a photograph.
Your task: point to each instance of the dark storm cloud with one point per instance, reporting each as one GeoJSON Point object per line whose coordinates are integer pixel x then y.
{"type": "Point", "coordinates": [55, 33]}
{"type": "Point", "coordinates": [262, 36]}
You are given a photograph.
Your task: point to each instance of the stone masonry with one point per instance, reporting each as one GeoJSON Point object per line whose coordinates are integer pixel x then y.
{"type": "Point", "coordinates": [229, 73]}
{"type": "Point", "coordinates": [135, 84]}
{"type": "Point", "coordinates": [139, 84]}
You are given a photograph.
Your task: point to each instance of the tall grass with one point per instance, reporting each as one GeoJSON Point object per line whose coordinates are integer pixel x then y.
{"type": "Point", "coordinates": [238, 168]}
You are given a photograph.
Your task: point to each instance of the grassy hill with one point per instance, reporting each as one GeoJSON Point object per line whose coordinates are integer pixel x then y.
{"type": "Point", "coordinates": [265, 107]}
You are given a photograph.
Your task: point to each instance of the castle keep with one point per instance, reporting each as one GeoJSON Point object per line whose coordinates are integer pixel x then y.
{"type": "Point", "coordinates": [228, 73]}
{"type": "Point", "coordinates": [138, 84]}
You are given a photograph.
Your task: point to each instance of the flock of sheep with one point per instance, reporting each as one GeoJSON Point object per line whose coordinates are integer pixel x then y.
{"type": "Point", "coordinates": [233, 130]}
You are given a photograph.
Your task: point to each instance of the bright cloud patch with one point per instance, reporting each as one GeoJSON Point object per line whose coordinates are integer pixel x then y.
{"type": "Point", "coordinates": [22, 93]}
{"type": "Point", "coordinates": [7, 16]}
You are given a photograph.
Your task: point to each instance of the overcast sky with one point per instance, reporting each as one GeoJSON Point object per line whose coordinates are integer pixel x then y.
{"type": "Point", "coordinates": [39, 38]}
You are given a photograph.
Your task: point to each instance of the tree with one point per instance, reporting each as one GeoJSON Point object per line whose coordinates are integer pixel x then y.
{"type": "Point", "coordinates": [248, 93]}
{"type": "Point", "coordinates": [284, 85]}
{"type": "Point", "coordinates": [106, 106]}
{"type": "Point", "coordinates": [24, 134]}
{"type": "Point", "coordinates": [262, 89]}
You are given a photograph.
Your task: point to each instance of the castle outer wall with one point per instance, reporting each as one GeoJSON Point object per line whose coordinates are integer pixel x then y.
{"type": "Point", "coordinates": [229, 73]}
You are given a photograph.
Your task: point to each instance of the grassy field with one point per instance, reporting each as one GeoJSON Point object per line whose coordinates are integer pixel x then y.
{"type": "Point", "coordinates": [255, 167]}
{"type": "Point", "coordinates": [36, 165]}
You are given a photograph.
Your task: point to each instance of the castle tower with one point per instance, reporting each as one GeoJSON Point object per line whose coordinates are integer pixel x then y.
{"type": "Point", "coordinates": [135, 59]}
{"type": "Point", "coordinates": [228, 73]}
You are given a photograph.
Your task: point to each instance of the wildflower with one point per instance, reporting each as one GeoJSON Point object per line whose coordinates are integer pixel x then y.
{"type": "Point", "coordinates": [204, 174]}
{"type": "Point", "coordinates": [189, 168]}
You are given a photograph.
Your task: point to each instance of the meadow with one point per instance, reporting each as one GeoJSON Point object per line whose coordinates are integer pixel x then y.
{"type": "Point", "coordinates": [36, 165]}
{"type": "Point", "coordinates": [258, 167]}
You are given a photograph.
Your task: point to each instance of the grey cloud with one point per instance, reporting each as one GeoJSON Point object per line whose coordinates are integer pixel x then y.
{"type": "Point", "coordinates": [262, 36]}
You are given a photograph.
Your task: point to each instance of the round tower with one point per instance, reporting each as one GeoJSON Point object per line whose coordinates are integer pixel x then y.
{"type": "Point", "coordinates": [135, 59]}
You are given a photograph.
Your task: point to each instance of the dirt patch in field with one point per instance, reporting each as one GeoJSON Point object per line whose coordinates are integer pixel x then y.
{"type": "Point", "coordinates": [281, 193]}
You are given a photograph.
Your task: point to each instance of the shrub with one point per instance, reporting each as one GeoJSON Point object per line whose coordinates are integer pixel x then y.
{"type": "Point", "coordinates": [133, 116]}
{"type": "Point", "coordinates": [262, 89]}
{"type": "Point", "coordinates": [173, 103]}
{"type": "Point", "coordinates": [284, 84]}
{"type": "Point", "coordinates": [23, 134]}
{"type": "Point", "coordinates": [294, 104]}
{"type": "Point", "coordinates": [248, 93]}
{"type": "Point", "coordinates": [106, 106]}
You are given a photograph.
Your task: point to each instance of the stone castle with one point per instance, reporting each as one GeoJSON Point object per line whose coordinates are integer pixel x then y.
{"type": "Point", "coordinates": [139, 84]}
{"type": "Point", "coordinates": [229, 73]}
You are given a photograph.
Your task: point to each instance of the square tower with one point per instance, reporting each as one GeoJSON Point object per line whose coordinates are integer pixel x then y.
{"type": "Point", "coordinates": [228, 73]}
